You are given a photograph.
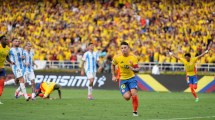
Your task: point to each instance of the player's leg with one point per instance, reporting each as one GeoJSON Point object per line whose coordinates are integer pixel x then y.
{"type": "Point", "coordinates": [192, 82]}
{"type": "Point", "coordinates": [124, 89]}
{"type": "Point", "coordinates": [32, 78]}
{"type": "Point", "coordinates": [2, 79]}
{"type": "Point", "coordinates": [135, 102]}
{"type": "Point", "coordinates": [23, 88]}
{"type": "Point", "coordinates": [91, 77]}
{"type": "Point", "coordinates": [10, 82]}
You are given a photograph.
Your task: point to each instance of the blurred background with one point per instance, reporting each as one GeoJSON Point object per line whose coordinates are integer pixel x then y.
{"type": "Point", "coordinates": [59, 30]}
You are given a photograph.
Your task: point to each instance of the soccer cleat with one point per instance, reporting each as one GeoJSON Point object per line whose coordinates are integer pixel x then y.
{"type": "Point", "coordinates": [17, 95]}
{"type": "Point", "coordinates": [197, 100]}
{"type": "Point", "coordinates": [135, 114]}
{"type": "Point", "coordinates": [90, 97]}
{"type": "Point", "coordinates": [28, 98]}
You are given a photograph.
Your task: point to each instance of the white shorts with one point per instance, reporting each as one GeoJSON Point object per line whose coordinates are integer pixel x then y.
{"type": "Point", "coordinates": [91, 75]}
{"type": "Point", "coordinates": [28, 76]}
{"type": "Point", "coordinates": [18, 73]}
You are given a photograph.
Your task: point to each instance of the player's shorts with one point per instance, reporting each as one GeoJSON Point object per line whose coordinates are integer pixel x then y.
{"type": "Point", "coordinates": [2, 72]}
{"type": "Point", "coordinates": [18, 73]}
{"type": "Point", "coordinates": [28, 76]}
{"type": "Point", "coordinates": [127, 85]}
{"type": "Point", "coordinates": [192, 79]}
{"type": "Point", "coordinates": [91, 75]}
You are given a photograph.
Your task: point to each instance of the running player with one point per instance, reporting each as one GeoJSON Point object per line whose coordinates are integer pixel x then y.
{"type": "Point", "coordinates": [16, 56]}
{"type": "Point", "coordinates": [190, 68]}
{"type": "Point", "coordinates": [128, 65]}
{"type": "Point", "coordinates": [44, 89]}
{"type": "Point", "coordinates": [28, 67]}
{"type": "Point", "coordinates": [90, 61]}
{"type": "Point", "coordinates": [4, 51]}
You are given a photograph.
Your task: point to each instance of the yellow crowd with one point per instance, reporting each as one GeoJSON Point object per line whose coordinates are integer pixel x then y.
{"type": "Point", "coordinates": [58, 29]}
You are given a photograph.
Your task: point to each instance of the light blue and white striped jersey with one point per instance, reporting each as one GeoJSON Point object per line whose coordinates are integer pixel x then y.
{"type": "Point", "coordinates": [15, 55]}
{"type": "Point", "coordinates": [90, 59]}
{"type": "Point", "coordinates": [28, 59]}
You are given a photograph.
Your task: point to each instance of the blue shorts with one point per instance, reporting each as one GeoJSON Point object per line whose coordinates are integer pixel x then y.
{"type": "Point", "coordinates": [127, 85]}
{"type": "Point", "coordinates": [2, 72]}
{"type": "Point", "coordinates": [192, 79]}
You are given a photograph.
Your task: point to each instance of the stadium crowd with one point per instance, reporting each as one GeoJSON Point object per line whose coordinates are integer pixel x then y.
{"type": "Point", "coordinates": [61, 29]}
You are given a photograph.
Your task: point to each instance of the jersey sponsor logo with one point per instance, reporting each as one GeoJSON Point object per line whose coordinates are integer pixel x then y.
{"type": "Point", "coordinates": [70, 81]}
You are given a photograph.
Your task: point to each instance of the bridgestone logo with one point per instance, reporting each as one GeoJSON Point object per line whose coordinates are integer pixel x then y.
{"type": "Point", "coordinates": [70, 81]}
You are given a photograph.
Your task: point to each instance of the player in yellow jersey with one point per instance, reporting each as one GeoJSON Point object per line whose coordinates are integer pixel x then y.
{"type": "Point", "coordinates": [4, 51]}
{"type": "Point", "coordinates": [128, 65]}
{"type": "Point", "coordinates": [44, 89]}
{"type": "Point", "coordinates": [190, 68]}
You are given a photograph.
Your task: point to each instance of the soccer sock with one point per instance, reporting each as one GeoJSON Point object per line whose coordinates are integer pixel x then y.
{"type": "Point", "coordinates": [22, 86]}
{"type": "Point", "coordinates": [9, 82]}
{"type": "Point", "coordinates": [90, 89]}
{"type": "Point", "coordinates": [193, 91]}
{"type": "Point", "coordinates": [135, 103]}
{"type": "Point", "coordinates": [18, 89]}
{"type": "Point", "coordinates": [33, 95]}
{"type": "Point", "coordinates": [195, 86]}
{"type": "Point", "coordinates": [1, 86]}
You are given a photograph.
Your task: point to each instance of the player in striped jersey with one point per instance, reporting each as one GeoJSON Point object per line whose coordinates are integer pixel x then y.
{"type": "Point", "coordinates": [16, 56]}
{"type": "Point", "coordinates": [28, 67]}
{"type": "Point", "coordinates": [90, 61]}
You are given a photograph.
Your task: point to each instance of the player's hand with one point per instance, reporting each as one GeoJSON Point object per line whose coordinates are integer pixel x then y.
{"type": "Point", "coordinates": [27, 64]}
{"type": "Point", "coordinates": [82, 72]}
{"type": "Point", "coordinates": [114, 79]}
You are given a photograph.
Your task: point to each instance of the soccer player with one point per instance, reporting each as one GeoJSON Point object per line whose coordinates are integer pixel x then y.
{"type": "Point", "coordinates": [4, 51]}
{"type": "Point", "coordinates": [28, 67]}
{"type": "Point", "coordinates": [90, 61]}
{"type": "Point", "coordinates": [44, 89]}
{"type": "Point", "coordinates": [190, 68]}
{"type": "Point", "coordinates": [16, 56]}
{"type": "Point", "coordinates": [128, 65]}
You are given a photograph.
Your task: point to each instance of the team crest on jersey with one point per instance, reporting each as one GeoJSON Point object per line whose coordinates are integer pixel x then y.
{"type": "Point", "coordinates": [123, 86]}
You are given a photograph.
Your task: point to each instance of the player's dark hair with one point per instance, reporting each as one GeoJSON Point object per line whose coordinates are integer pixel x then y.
{"type": "Point", "coordinates": [3, 36]}
{"type": "Point", "coordinates": [124, 43]}
{"type": "Point", "coordinates": [90, 43]}
{"type": "Point", "coordinates": [187, 54]}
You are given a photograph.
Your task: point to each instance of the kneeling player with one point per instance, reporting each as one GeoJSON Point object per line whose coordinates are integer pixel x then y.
{"type": "Point", "coordinates": [44, 89]}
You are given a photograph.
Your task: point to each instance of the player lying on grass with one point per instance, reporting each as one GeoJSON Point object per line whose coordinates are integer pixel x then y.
{"type": "Point", "coordinates": [44, 89]}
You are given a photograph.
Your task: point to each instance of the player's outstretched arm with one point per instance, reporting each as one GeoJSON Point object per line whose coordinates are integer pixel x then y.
{"type": "Point", "coordinates": [172, 54]}
{"type": "Point", "coordinates": [198, 57]}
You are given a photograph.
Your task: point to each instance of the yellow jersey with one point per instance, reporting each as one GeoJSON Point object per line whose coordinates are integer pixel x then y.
{"type": "Point", "coordinates": [123, 64]}
{"type": "Point", "coordinates": [3, 54]}
{"type": "Point", "coordinates": [190, 67]}
{"type": "Point", "coordinates": [47, 88]}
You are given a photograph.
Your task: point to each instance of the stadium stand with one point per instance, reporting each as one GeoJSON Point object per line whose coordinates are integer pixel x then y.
{"type": "Point", "coordinates": [61, 29]}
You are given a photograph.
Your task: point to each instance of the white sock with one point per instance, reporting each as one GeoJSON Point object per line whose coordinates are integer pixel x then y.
{"type": "Point", "coordinates": [18, 89]}
{"type": "Point", "coordinates": [22, 85]}
{"type": "Point", "coordinates": [9, 82]}
{"type": "Point", "coordinates": [90, 89]}
{"type": "Point", "coordinates": [33, 95]}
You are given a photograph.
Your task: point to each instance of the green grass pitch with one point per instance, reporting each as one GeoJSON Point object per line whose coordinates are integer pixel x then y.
{"type": "Point", "coordinates": [108, 105]}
